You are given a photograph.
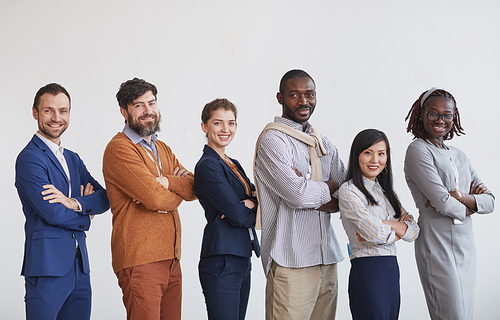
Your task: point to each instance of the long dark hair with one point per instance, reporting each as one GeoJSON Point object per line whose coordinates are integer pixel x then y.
{"type": "Point", "coordinates": [361, 142]}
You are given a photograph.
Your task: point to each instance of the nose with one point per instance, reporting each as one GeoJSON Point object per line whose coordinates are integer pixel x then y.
{"type": "Point", "coordinates": [148, 108]}
{"type": "Point", "coordinates": [440, 119]}
{"type": "Point", "coordinates": [56, 116]}
{"type": "Point", "coordinates": [224, 127]}
{"type": "Point", "coordinates": [302, 100]}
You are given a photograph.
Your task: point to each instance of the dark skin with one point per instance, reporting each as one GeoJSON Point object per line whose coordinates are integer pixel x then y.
{"type": "Point", "coordinates": [435, 132]}
{"type": "Point", "coordinates": [298, 101]}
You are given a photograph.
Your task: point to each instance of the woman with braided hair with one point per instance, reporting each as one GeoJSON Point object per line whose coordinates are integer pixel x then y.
{"type": "Point", "coordinates": [447, 192]}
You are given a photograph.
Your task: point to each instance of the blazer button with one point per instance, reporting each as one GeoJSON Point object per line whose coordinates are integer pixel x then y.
{"type": "Point", "coordinates": [88, 211]}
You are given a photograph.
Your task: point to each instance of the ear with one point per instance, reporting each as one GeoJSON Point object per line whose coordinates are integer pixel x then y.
{"type": "Point", "coordinates": [124, 113]}
{"type": "Point", "coordinates": [204, 127]}
{"type": "Point", "coordinates": [279, 96]}
{"type": "Point", "coordinates": [35, 113]}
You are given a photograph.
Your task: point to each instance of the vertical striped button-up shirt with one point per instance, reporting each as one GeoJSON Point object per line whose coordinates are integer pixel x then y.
{"type": "Point", "coordinates": [360, 217]}
{"type": "Point", "coordinates": [294, 233]}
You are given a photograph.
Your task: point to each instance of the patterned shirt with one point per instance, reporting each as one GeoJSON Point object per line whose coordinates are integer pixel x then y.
{"type": "Point", "coordinates": [294, 233]}
{"type": "Point", "coordinates": [360, 217]}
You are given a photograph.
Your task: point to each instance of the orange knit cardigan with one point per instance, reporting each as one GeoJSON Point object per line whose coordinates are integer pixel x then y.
{"type": "Point", "coordinates": [141, 234]}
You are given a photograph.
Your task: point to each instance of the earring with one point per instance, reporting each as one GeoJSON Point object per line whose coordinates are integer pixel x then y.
{"type": "Point", "coordinates": [385, 169]}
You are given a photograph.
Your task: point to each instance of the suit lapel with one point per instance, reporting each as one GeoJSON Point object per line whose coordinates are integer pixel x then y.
{"type": "Point", "coordinates": [211, 152]}
{"type": "Point", "coordinates": [43, 147]}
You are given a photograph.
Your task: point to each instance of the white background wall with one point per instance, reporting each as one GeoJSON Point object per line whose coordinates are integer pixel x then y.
{"type": "Point", "coordinates": [370, 60]}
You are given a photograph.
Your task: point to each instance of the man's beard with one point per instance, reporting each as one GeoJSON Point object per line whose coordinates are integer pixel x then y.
{"type": "Point", "coordinates": [145, 131]}
{"type": "Point", "coordinates": [291, 114]}
{"type": "Point", "coordinates": [43, 128]}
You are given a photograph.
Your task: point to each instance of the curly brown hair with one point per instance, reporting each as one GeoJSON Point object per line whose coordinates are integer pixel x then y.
{"type": "Point", "coordinates": [415, 124]}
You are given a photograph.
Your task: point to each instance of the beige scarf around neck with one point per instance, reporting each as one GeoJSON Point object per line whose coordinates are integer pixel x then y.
{"type": "Point", "coordinates": [313, 142]}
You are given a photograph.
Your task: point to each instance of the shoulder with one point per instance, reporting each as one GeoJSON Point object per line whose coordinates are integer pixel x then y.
{"type": "Point", "coordinates": [347, 186]}
{"type": "Point", "coordinates": [120, 140]}
{"type": "Point", "coordinates": [162, 147]}
{"type": "Point", "coordinates": [273, 135]}
{"type": "Point", "coordinates": [207, 162]}
{"type": "Point", "coordinates": [329, 146]}
{"type": "Point", "coordinates": [417, 147]}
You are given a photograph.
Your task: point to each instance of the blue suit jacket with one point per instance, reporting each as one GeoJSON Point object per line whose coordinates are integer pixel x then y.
{"type": "Point", "coordinates": [51, 229]}
{"type": "Point", "coordinates": [220, 192]}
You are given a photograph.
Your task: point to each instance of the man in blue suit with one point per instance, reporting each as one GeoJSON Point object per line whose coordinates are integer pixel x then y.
{"type": "Point", "coordinates": [59, 199]}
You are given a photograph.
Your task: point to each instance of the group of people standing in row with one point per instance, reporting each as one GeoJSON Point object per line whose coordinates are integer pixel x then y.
{"type": "Point", "coordinates": [300, 180]}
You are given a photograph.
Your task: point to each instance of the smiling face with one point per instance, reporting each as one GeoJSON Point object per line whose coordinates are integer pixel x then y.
{"type": "Point", "coordinates": [298, 99]}
{"type": "Point", "coordinates": [373, 160]}
{"type": "Point", "coordinates": [142, 115]}
{"type": "Point", "coordinates": [220, 130]}
{"type": "Point", "coordinates": [436, 130]}
{"type": "Point", "coordinates": [52, 116]}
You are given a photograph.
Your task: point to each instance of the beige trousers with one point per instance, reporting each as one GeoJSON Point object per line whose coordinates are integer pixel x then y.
{"type": "Point", "coordinates": [301, 293]}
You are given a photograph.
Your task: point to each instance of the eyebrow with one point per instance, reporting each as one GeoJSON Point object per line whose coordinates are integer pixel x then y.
{"type": "Point", "coordinates": [308, 90]}
{"type": "Point", "coordinates": [223, 120]}
{"type": "Point", "coordinates": [375, 150]}
{"type": "Point", "coordinates": [140, 102]}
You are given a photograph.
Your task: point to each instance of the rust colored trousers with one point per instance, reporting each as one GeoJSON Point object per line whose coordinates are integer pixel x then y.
{"type": "Point", "coordinates": [152, 291]}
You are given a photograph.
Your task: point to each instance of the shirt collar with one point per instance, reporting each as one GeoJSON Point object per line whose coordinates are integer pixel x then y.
{"type": "Point", "coordinates": [370, 184]}
{"type": "Point", "coordinates": [293, 124]}
{"type": "Point", "coordinates": [135, 137]}
{"type": "Point", "coordinates": [52, 146]}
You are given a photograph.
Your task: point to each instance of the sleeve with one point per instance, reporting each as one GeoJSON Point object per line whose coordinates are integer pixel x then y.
{"type": "Point", "coordinates": [274, 169]}
{"type": "Point", "coordinates": [181, 186]}
{"type": "Point", "coordinates": [485, 203]}
{"type": "Point", "coordinates": [423, 173]}
{"type": "Point", "coordinates": [212, 185]}
{"type": "Point", "coordinates": [125, 168]}
{"type": "Point", "coordinates": [412, 229]}
{"type": "Point", "coordinates": [31, 175]}
{"type": "Point", "coordinates": [95, 203]}
{"type": "Point", "coordinates": [337, 169]}
{"type": "Point", "coordinates": [357, 215]}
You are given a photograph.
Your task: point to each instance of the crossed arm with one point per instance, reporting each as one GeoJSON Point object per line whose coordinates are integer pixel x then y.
{"type": "Point", "coordinates": [53, 195]}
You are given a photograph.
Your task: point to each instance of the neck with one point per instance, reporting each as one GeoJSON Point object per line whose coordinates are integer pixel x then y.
{"type": "Point", "coordinates": [148, 139]}
{"type": "Point", "coordinates": [304, 124]}
{"type": "Point", "coordinates": [437, 142]}
{"type": "Point", "coordinates": [220, 151]}
{"type": "Point", "coordinates": [55, 140]}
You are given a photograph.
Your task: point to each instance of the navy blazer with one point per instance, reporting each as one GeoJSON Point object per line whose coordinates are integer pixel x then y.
{"type": "Point", "coordinates": [51, 228]}
{"type": "Point", "coordinates": [220, 192]}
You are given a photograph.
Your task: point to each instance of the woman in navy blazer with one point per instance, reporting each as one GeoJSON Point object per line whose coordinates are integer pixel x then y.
{"type": "Point", "coordinates": [227, 196]}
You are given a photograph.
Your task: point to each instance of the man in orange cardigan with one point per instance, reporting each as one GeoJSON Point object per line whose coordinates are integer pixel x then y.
{"type": "Point", "coordinates": [145, 184]}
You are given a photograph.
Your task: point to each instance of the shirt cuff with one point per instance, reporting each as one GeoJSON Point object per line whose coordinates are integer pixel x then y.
{"type": "Point", "coordinates": [79, 206]}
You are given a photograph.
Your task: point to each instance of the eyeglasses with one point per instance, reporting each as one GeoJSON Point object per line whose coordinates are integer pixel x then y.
{"type": "Point", "coordinates": [433, 116]}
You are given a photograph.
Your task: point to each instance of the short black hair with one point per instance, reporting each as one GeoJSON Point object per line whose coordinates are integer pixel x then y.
{"type": "Point", "coordinates": [133, 89]}
{"type": "Point", "coordinates": [295, 73]}
{"type": "Point", "coordinates": [53, 89]}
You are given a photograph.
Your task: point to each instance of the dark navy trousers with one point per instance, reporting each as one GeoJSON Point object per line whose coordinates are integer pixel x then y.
{"type": "Point", "coordinates": [63, 298]}
{"type": "Point", "coordinates": [225, 280]}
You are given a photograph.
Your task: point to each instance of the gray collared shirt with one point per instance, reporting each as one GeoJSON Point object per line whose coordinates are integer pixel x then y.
{"type": "Point", "coordinates": [137, 139]}
{"type": "Point", "coordinates": [294, 233]}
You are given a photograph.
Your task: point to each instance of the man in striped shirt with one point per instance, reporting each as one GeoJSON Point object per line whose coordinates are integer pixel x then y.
{"type": "Point", "coordinates": [299, 247]}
